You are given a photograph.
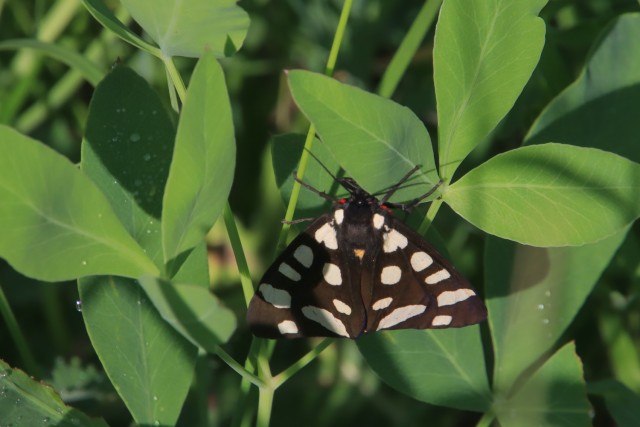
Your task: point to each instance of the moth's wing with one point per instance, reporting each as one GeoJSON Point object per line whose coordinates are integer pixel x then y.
{"type": "Point", "coordinates": [307, 291]}
{"type": "Point", "coordinates": [416, 287]}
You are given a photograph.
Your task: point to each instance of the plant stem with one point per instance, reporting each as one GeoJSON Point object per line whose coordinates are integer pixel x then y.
{"type": "Point", "coordinates": [244, 373]}
{"type": "Point", "coordinates": [487, 419]}
{"type": "Point", "coordinates": [431, 214]}
{"type": "Point", "coordinates": [408, 47]}
{"type": "Point", "coordinates": [265, 402]}
{"type": "Point", "coordinates": [26, 355]}
{"type": "Point", "coordinates": [283, 376]}
{"type": "Point", "coordinates": [238, 251]}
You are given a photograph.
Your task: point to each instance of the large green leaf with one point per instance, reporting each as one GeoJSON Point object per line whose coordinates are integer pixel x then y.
{"type": "Point", "coordinates": [55, 224]}
{"type": "Point", "coordinates": [26, 402]}
{"type": "Point", "coordinates": [533, 294]}
{"type": "Point", "coordinates": [485, 52]}
{"type": "Point", "coordinates": [443, 367]}
{"type": "Point", "coordinates": [599, 108]}
{"type": "Point", "coordinates": [149, 363]}
{"type": "Point", "coordinates": [550, 195]}
{"type": "Point", "coordinates": [555, 395]}
{"type": "Point", "coordinates": [127, 151]}
{"type": "Point", "coordinates": [193, 27]}
{"type": "Point", "coordinates": [374, 139]}
{"type": "Point", "coordinates": [203, 161]}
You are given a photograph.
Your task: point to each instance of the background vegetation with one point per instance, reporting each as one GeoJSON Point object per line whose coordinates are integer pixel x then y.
{"type": "Point", "coordinates": [583, 92]}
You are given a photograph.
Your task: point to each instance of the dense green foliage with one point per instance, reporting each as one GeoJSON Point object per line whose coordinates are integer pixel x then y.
{"type": "Point", "coordinates": [140, 204]}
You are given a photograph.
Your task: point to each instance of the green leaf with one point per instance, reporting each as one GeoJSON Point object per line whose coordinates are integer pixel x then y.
{"type": "Point", "coordinates": [26, 402]}
{"type": "Point", "coordinates": [485, 52]}
{"type": "Point", "coordinates": [622, 403]}
{"type": "Point", "coordinates": [55, 224]}
{"type": "Point", "coordinates": [203, 161]}
{"type": "Point", "coordinates": [444, 367]}
{"type": "Point", "coordinates": [555, 395]}
{"type": "Point", "coordinates": [374, 139]}
{"type": "Point", "coordinates": [104, 16]}
{"type": "Point", "coordinates": [150, 364]}
{"type": "Point", "coordinates": [599, 108]}
{"type": "Point", "coordinates": [533, 295]}
{"type": "Point", "coordinates": [550, 195]}
{"type": "Point", "coordinates": [193, 27]}
{"type": "Point", "coordinates": [192, 310]}
{"type": "Point", "coordinates": [127, 152]}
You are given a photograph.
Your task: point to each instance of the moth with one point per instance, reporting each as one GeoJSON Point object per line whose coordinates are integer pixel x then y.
{"type": "Point", "coordinates": [358, 269]}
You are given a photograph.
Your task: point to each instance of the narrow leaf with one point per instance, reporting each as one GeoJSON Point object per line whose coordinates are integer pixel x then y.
{"type": "Point", "coordinates": [150, 364]}
{"type": "Point", "coordinates": [26, 402]}
{"type": "Point", "coordinates": [485, 52]}
{"type": "Point", "coordinates": [442, 367]}
{"type": "Point", "coordinates": [189, 28]}
{"type": "Point", "coordinates": [374, 139]}
{"type": "Point", "coordinates": [555, 395]}
{"type": "Point", "coordinates": [550, 195]}
{"type": "Point", "coordinates": [55, 224]}
{"type": "Point", "coordinates": [203, 161]}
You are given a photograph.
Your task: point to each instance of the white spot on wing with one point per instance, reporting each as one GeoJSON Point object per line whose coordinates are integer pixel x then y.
{"type": "Point", "coordinates": [437, 277]}
{"type": "Point", "coordinates": [342, 307]}
{"type": "Point", "coordinates": [382, 303]}
{"type": "Point", "coordinates": [326, 319]}
{"type": "Point", "coordinates": [276, 297]}
{"type": "Point", "coordinates": [288, 327]}
{"type": "Point", "coordinates": [332, 275]}
{"type": "Point", "coordinates": [304, 255]}
{"type": "Point", "coordinates": [378, 221]}
{"type": "Point", "coordinates": [338, 214]}
{"type": "Point", "coordinates": [420, 261]}
{"type": "Point", "coordinates": [289, 272]}
{"type": "Point", "coordinates": [327, 235]}
{"type": "Point", "coordinates": [400, 315]}
{"type": "Point", "coordinates": [452, 297]}
{"type": "Point", "coordinates": [441, 320]}
{"type": "Point", "coordinates": [390, 275]}
{"type": "Point", "coordinates": [393, 240]}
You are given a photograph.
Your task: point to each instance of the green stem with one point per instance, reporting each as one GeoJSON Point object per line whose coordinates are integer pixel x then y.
{"type": "Point", "coordinates": [238, 251]}
{"type": "Point", "coordinates": [408, 47]}
{"type": "Point", "coordinates": [244, 373]}
{"type": "Point", "coordinates": [175, 78]}
{"type": "Point", "coordinates": [266, 393]}
{"type": "Point", "coordinates": [283, 376]}
{"type": "Point", "coordinates": [26, 355]}
{"type": "Point", "coordinates": [431, 214]}
{"type": "Point", "coordinates": [487, 419]}
{"type": "Point", "coordinates": [265, 402]}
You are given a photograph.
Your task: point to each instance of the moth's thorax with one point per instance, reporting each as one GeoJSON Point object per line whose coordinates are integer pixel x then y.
{"type": "Point", "coordinates": [356, 229]}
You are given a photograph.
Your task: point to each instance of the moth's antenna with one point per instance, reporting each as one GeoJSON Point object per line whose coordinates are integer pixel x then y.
{"type": "Point", "coordinates": [397, 185]}
{"type": "Point", "coordinates": [322, 166]}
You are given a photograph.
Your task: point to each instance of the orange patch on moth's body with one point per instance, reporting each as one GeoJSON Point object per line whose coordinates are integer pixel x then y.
{"type": "Point", "coordinates": [359, 253]}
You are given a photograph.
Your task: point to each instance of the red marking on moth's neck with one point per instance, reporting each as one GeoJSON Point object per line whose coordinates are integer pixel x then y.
{"type": "Point", "coordinates": [386, 208]}
{"type": "Point", "coordinates": [342, 201]}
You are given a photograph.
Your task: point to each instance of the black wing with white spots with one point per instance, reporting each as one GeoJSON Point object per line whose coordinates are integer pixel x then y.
{"type": "Point", "coordinates": [358, 270]}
